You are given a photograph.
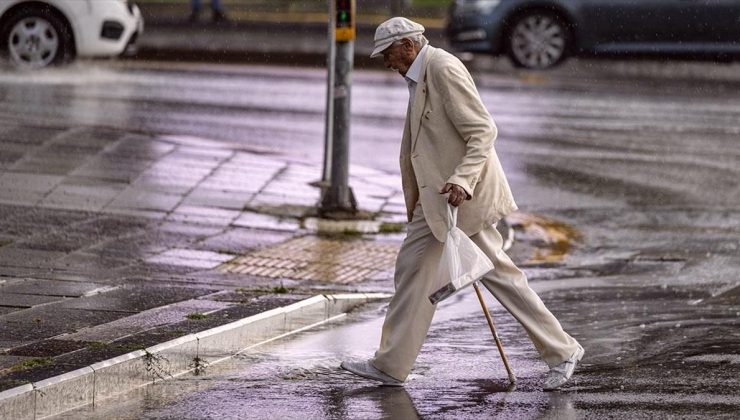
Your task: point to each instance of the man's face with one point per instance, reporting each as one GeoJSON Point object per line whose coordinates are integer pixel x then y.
{"type": "Point", "coordinates": [399, 57]}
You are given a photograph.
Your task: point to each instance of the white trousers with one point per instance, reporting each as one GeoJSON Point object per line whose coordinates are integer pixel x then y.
{"type": "Point", "coordinates": [410, 313]}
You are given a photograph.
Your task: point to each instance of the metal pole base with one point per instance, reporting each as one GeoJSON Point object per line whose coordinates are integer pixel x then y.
{"type": "Point", "coordinates": [333, 207]}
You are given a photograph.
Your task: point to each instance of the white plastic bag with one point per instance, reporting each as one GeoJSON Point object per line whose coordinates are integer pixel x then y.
{"type": "Point", "coordinates": [462, 262]}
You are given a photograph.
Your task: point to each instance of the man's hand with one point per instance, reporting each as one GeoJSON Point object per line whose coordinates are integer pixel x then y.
{"type": "Point", "coordinates": [457, 194]}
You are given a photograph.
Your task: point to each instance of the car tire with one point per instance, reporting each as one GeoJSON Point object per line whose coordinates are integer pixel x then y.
{"type": "Point", "coordinates": [36, 38]}
{"type": "Point", "coordinates": [538, 40]}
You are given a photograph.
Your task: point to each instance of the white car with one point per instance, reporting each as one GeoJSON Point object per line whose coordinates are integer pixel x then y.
{"type": "Point", "coordinates": [39, 33]}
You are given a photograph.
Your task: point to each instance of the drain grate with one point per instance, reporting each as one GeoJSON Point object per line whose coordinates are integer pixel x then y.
{"type": "Point", "coordinates": [319, 259]}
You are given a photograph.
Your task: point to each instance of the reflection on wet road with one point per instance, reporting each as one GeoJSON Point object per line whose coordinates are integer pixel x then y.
{"type": "Point", "coordinates": [640, 135]}
{"type": "Point", "coordinates": [459, 375]}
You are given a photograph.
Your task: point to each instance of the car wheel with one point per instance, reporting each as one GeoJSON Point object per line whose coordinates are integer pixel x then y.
{"type": "Point", "coordinates": [537, 40]}
{"type": "Point", "coordinates": [36, 38]}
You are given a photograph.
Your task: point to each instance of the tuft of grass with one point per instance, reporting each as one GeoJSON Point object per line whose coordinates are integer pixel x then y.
{"type": "Point", "coordinates": [386, 227]}
{"type": "Point", "coordinates": [196, 316]}
{"type": "Point", "coordinates": [280, 290]}
{"type": "Point", "coordinates": [345, 235]}
{"type": "Point", "coordinates": [198, 365]}
{"type": "Point", "coordinates": [101, 345]}
{"type": "Point", "coordinates": [131, 346]}
{"type": "Point", "coordinates": [12, 383]}
{"type": "Point", "coordinates": [31, 363]}
{"type": "Point", "coordinates": [157, 365]}
{"type": "Point", "coordinates": [96, 345]}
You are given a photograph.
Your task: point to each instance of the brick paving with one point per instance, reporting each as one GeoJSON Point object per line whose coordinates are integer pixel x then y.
{"type": "Point", "coordinates": [318, 259]}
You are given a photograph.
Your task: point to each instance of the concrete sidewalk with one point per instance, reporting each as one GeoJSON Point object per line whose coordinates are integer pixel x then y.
{"type": "Point", "coordinates": [113, 242]}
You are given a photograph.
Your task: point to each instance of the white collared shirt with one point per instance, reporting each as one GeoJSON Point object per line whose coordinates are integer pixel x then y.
{"type": "Point", "coordinates": [414, 73]}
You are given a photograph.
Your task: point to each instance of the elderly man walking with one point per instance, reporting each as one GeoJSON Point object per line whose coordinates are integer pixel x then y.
{"type": "Point", "coordinates": [447, 156]}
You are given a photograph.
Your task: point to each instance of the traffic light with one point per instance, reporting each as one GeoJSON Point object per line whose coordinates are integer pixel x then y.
{"type": "Point", "coordinates": [345, 20]}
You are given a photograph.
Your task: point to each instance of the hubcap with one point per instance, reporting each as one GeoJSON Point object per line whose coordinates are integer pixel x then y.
{"type": "Point", "coordinates": [33, 42]}
{"type": "Point", "coordinates": [538, 41]}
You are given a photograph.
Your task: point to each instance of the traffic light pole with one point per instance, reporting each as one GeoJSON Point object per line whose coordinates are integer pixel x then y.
{"type": "Point", "coordinates": [338, 201]}
{"type": "Point", "coordinates": [328, 124]}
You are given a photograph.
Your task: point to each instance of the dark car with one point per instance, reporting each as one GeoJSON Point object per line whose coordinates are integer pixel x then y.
{"type": "Point", "coordinates": [538, 34]}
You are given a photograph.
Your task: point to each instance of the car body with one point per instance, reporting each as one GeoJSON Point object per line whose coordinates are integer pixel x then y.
{"type": "Point", "coordinates": [594, 27]}
{"type": "Point", "coordinates": [38, 33]}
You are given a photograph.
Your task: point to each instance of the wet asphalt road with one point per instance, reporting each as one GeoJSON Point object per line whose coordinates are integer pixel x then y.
{"type": "Point", "coordinates": [458, 375]}
{"type": "Point", "coordinates": [640, 163]}
{"type": "Point", "coordinates": [642, 135]}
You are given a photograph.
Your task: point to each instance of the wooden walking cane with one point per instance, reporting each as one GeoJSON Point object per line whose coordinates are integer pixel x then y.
{"type": "Point", "coordinates": [512, 378]}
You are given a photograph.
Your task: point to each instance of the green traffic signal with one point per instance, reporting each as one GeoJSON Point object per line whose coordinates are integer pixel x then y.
{"type": "Point", "coordinates": [344, 20]}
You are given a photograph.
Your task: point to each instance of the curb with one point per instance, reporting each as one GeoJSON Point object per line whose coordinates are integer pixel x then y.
{"type": "Point", "coordinates": [193, 352]}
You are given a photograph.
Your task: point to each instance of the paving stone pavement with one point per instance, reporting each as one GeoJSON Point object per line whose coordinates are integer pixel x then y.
{"type": "Point", "coordinates": [171, 178]}
{"type": "Point", "coordinates": [110, 241]}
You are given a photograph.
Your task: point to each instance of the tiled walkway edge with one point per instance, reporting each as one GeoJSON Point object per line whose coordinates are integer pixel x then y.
{"type": "Point", "coordinates": [142, 367]}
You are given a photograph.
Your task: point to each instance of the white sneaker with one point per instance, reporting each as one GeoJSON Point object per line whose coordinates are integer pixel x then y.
{"type": "Point", "coordinates": [560, 374]}
{"type": "Point", "coordinates": [367, 370]}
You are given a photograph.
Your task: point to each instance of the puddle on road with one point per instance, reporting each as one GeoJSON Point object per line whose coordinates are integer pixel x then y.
{"type": "Point", "coordinates": [554, 239]}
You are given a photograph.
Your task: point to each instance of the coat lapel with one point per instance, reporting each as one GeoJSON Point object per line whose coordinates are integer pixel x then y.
{"type": "Point", "coordinates": [420, 98]}
{"type": "Point", "coordinates": [406, 139]}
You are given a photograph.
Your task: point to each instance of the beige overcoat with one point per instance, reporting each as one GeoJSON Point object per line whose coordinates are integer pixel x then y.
{"type": "Point", "coordinates": [449, 137]}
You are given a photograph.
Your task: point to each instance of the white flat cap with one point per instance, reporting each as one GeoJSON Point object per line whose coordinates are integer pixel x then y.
{"type": "Point", "coordinates": [392, 30]}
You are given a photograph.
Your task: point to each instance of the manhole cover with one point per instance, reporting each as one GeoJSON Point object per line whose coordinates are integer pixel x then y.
{"type": "Point", "coordinates": [319, 259]}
